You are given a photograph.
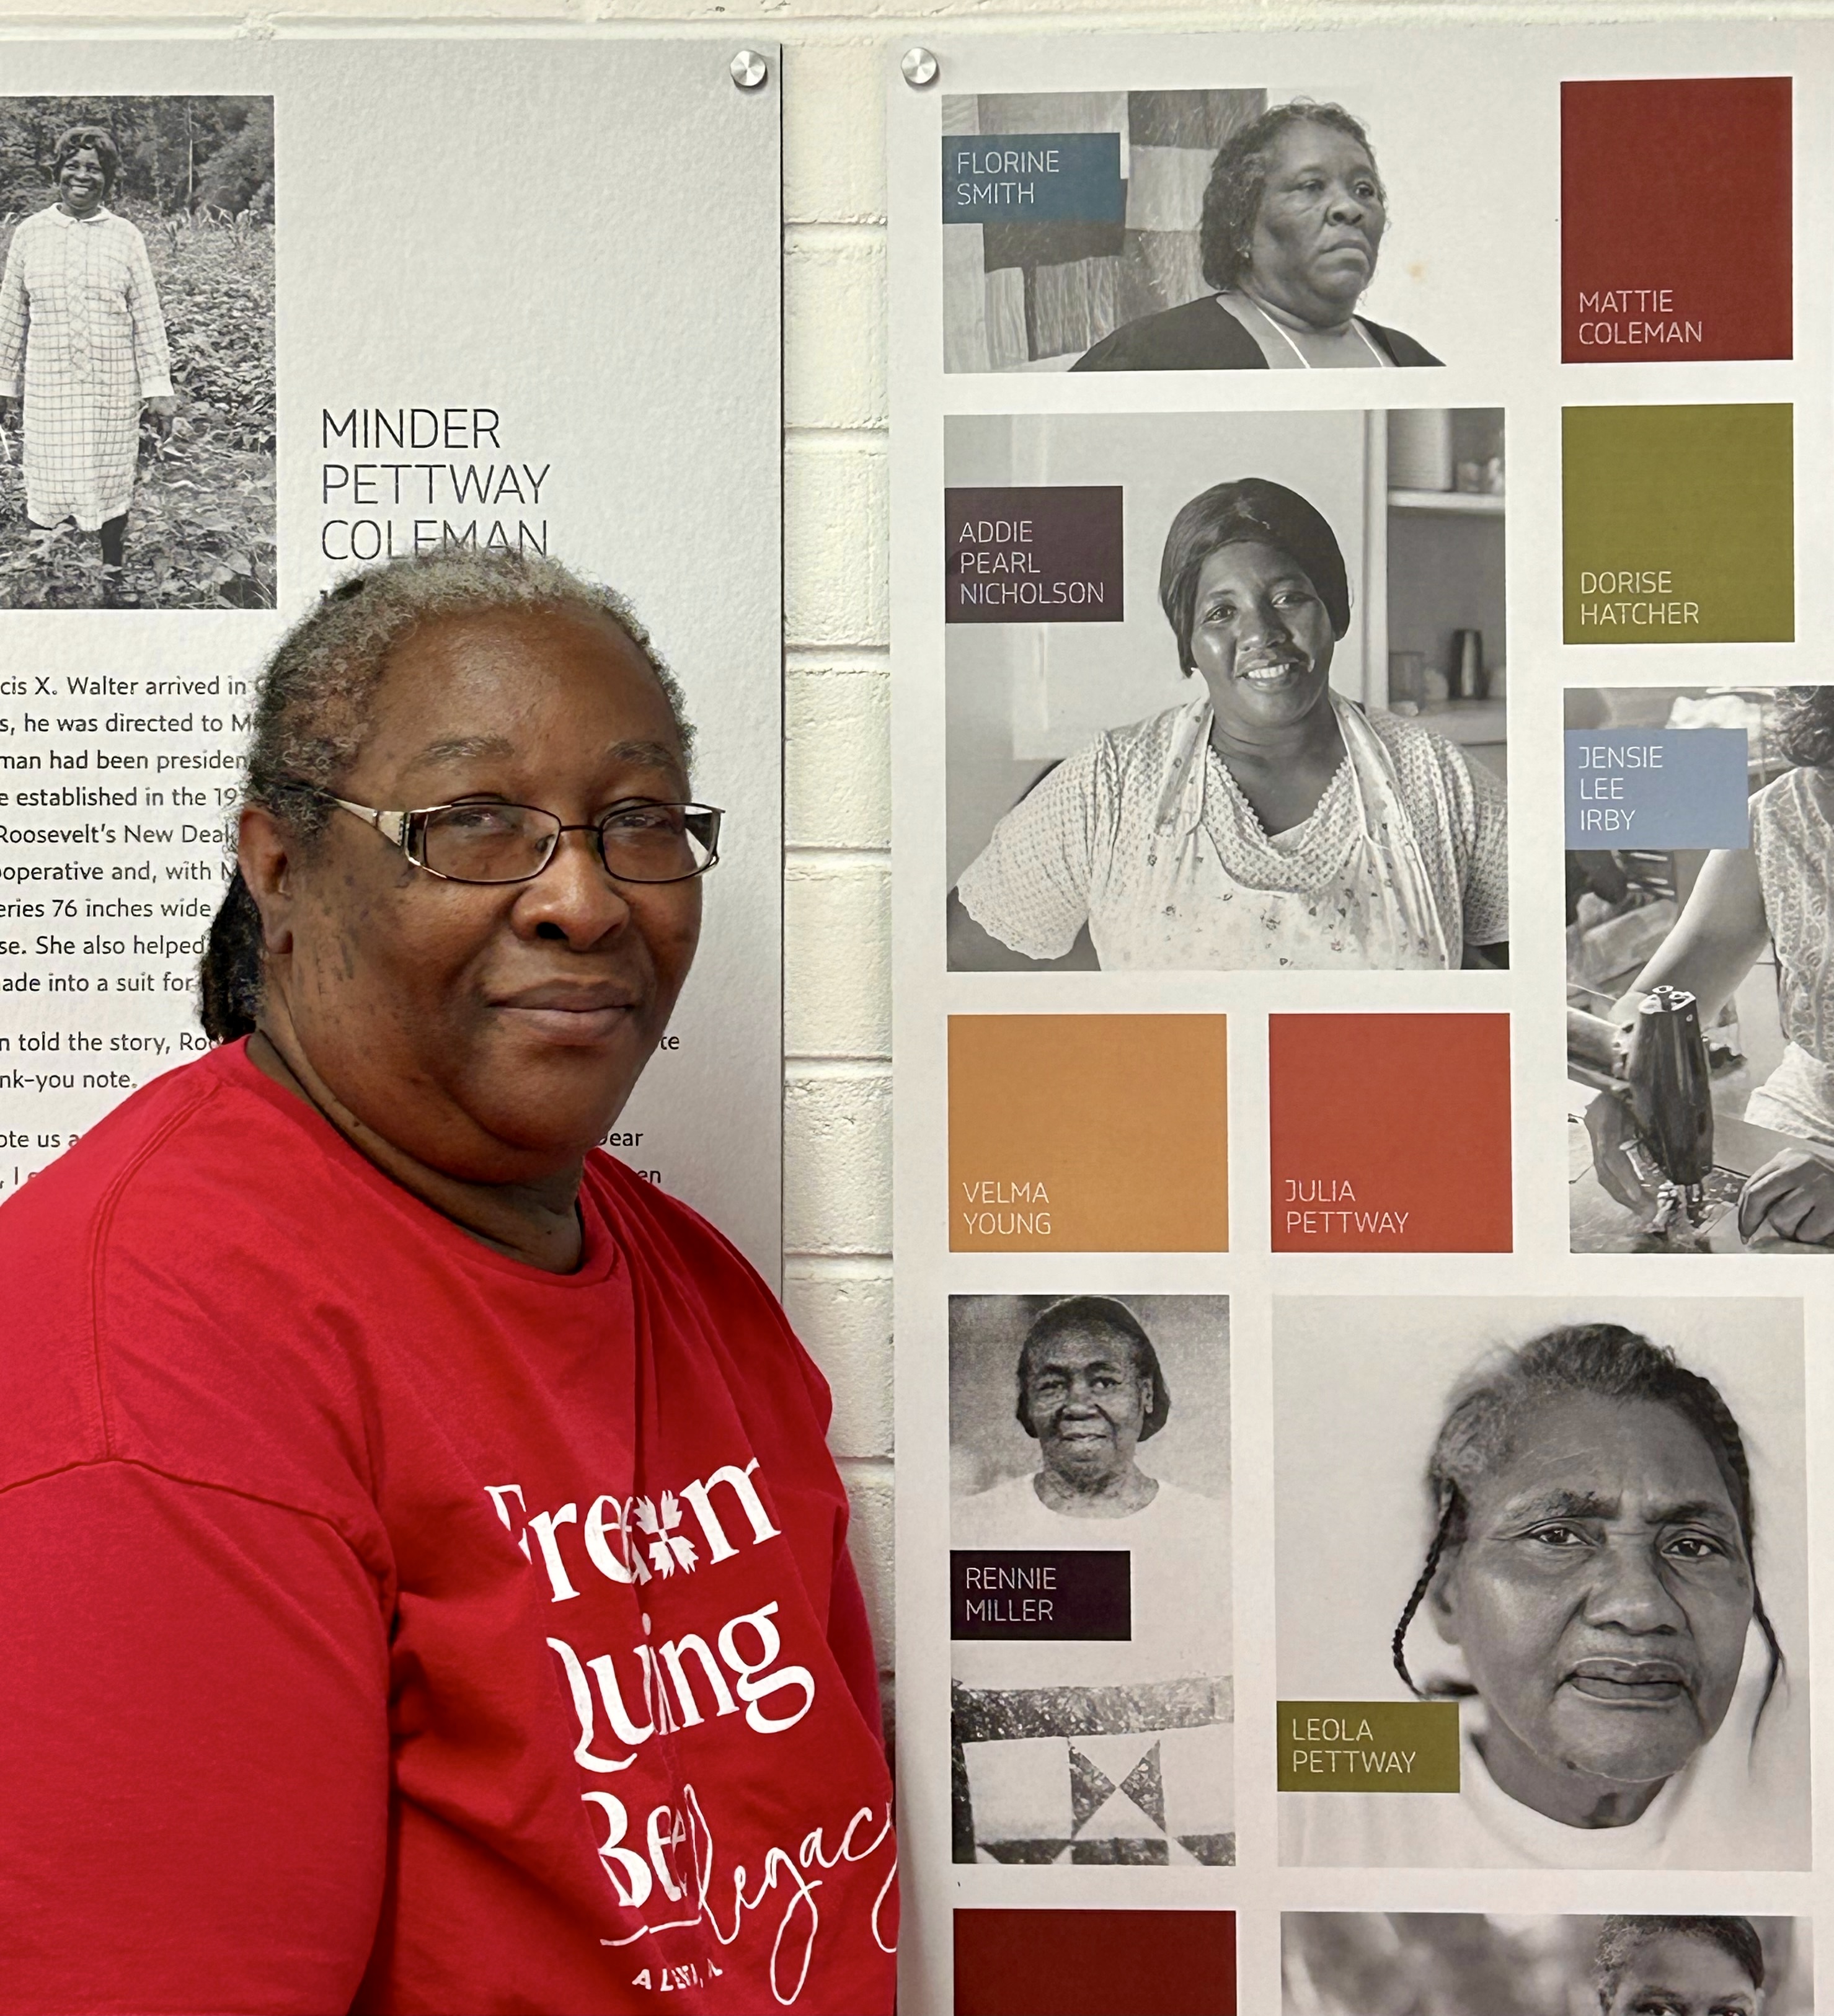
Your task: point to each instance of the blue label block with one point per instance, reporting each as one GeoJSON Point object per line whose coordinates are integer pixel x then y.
{"type": "Point", "coordinates": [1656, 787]}
{"type": "Point", "coordinates": [1033, 178]}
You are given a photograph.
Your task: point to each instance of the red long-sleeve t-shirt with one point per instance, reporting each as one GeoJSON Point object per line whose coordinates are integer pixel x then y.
{"type": "Point", "coordinates": [391, 1626]}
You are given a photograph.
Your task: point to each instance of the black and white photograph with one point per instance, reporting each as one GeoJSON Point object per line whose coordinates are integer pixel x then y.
{"type": "Point", "coordinates": [1700, 997]}
{"type": "Point", "coordinates": [1467, 1963]}
{"type": "Point", "coordinates": [1235, 230]}
{"type": "Point", "coordinates": [1583, 1522]}
{"type": "Point", "coordinates": [1271, 731]}
{"type": "Point", "coordinates": [1095, 1428]}
{"type": "Point", "coordinates": [137, 398]}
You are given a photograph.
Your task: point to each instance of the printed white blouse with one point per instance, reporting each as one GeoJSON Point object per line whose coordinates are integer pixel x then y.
{"type": "Point", "coordinates": [1145, 837]}
{"type": "Point", "coordinates": [1793, 837]}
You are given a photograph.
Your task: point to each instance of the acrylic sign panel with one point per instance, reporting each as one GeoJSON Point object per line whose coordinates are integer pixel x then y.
{"type": "Point", "coordinates": [356, 378]}
{"type": "Point", "coordinates": [1442, 708]}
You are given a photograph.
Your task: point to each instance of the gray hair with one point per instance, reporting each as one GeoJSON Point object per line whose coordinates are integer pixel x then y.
{"type": "Point", "coordinates": [313, 707]}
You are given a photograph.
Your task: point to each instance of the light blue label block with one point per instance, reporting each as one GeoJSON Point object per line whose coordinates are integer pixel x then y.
{"type": "Point", "coordinates": [1033, 178]}
{"type": "Point", "coordinates": [1656, 787]}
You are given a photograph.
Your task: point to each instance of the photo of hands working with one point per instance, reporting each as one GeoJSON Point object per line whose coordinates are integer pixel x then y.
{"type": "Point", "coordinates": [1699, 1017]}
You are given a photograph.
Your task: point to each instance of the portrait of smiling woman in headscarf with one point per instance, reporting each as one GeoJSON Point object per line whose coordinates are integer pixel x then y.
{"type": "Point", "coordinates": [1268, 821]}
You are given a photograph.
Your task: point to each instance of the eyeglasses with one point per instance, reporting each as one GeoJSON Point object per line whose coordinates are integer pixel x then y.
{"type": "Point", "coordinates": [483, 841]}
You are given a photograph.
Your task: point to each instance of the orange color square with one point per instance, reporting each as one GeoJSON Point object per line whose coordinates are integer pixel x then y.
{"type": "Point", "coordinates": [1388, 1133]}
{"type": "Point", "coordinates": [1089, 1134]}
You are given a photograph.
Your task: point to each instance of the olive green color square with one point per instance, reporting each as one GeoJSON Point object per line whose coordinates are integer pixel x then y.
{"type": "Point", "coordinates": [1368, 1746]}
{"type": "Point", "coordinates": [1697, 506]}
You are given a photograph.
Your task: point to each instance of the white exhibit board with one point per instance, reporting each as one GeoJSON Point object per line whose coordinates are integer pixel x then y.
{"type": "Point", "coordinates": [1360, 578]}
{"type": "Point", "coordinates": [494, 290]}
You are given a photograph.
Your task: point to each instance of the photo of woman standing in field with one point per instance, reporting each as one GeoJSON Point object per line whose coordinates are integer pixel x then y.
{"type": "Point", "coordinates": [136, 356]}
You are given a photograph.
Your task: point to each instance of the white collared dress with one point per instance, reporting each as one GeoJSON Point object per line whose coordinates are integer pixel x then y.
{"type": "Point", "coordinates": [81, 323]}
{"type": "Point", "coordinates": [1145, 837]}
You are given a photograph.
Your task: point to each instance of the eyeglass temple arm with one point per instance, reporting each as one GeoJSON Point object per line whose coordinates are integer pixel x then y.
{"type": "Point", "coordinates": [392, 826]}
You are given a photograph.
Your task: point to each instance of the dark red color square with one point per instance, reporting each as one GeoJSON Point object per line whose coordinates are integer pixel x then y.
{"type": "Point", "coordinates": [1094, 1962]}
{"type": "Point", "coordinates": [1412, 1112]}
{"type": "Point", "coordinates": [1681, 183]}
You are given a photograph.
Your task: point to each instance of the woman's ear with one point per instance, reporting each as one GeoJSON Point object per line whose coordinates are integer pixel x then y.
{"type": "Point", "coordinates": [264, 853]}
{"type": "Point", "coordinates": [1442, 1597]}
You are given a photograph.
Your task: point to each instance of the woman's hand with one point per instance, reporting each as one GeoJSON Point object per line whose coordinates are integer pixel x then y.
{"type": "Point", "coordinates": [1613, 1131]}
{"type": "Point", "coordinates": [1792, 1197]}
{"type": "Point", "coordinates": [162, 407]}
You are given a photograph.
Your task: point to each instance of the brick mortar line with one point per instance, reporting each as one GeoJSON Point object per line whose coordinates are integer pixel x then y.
{"type": "Point", "coordinates": [837, 657]}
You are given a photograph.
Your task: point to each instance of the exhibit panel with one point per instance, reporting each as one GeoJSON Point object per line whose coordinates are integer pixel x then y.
{"type": "Point", "coordinates": [363, 296]}
{"type": "Point", "coordinates": [1364, 1161]}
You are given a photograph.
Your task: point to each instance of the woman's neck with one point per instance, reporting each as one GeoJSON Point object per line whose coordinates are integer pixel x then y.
{"type": "Point", "coordinates": [1129, 1490]}
{"type": "Point", "coordinates": [536, 1222]}
{"type": "Point", "coordinates": [1313, 739]}
{"type": "Point", "coordinates": [1301, 324]}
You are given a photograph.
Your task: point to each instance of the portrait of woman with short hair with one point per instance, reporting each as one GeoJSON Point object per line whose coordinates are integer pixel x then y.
{"type": "Point", "coordinates": [1680, 1967]}
{"type": "Point", "coordinates": [1503, 1963]}
{"type": "Point", "coordinates": [83, 347]}
{"type": "Point", "coordinates": [1294, 214]}
{"type": "Point", "coordinates": [1590, 1589]}
{"type": "Point", "coordinates": [426, 1576]}
{"type": "Point", "coordinates": [1076, 1749]}
{"type": "Point", "coordinates": [137, 360]}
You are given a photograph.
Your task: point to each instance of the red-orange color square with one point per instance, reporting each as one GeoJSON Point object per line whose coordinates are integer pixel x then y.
{"type": "Point", "coordinates": [1411, 1112]}
{"type": "Point", "coordinates": [1682, 183]}
{"type": "Point", "coordinates": [1094, 1963]}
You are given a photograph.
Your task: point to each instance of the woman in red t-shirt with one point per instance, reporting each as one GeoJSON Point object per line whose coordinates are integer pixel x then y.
{"type": "Point", "coordinates": [424, 1577]}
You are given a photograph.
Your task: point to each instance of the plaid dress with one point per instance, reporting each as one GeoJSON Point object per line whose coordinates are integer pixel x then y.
{"type": "Point", "coordinates": [79, 309]}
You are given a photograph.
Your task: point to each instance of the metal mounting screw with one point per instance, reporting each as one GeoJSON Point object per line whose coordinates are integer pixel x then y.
{"type": "Point", "coordinates": [749, 70]}
{"type": "Point", "coordinates": [919, 67]}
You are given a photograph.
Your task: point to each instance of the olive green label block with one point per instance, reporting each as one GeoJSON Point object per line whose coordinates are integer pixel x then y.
{"type": "Point", "coordinates": [1679, 525]}
{"type": "Point", "coordinates": [1368, 1746]}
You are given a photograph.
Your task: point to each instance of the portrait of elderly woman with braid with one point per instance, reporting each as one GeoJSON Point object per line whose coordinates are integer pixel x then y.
{"type": "Point", "coordinates": [426, 1576]}
{"type": "Point", "coordinates": [1267, 823]}
{"type": "Point", "coordinates": [1294, 214]}
{"type": "Point", "coordinates": [1591, 1576]}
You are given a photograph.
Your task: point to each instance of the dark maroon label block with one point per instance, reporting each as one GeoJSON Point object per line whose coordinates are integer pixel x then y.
{"type": "Point", "coordinates": [1094, 1962]}
{"type": "Point", "coordinates": [1046, 553]}
{"type": "Point", "coordinates": [1033, 1592]}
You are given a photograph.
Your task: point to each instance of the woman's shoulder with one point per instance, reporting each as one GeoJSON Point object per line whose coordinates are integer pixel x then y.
{"type": "Point", "coordinates": [1151, 734]}
{"type": "Point", "coordinates": [1197, 335]}
{"type": "Point", "coordinates": [124, 230]}
{"type": "Point", "coordinates": [141, 1149]}
{"type": "Point", "coordinates": [696, 1266]}
{"type": "Point", "coordinates": [1790, 796]}
{"type": "Point", "coordinates": [1407, 737]}
{"type": "Point", "coordinates": [177, 1269]}
{"type": "Point", "coordinates": [1401, 347]}
{"type": "Point", "coordinates": [1405, 734]}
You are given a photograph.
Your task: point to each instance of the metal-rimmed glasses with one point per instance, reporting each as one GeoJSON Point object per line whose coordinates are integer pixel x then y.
{"type": "Point", "coordinates": [481, 840]}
